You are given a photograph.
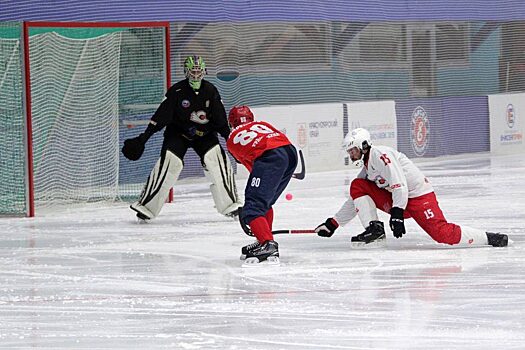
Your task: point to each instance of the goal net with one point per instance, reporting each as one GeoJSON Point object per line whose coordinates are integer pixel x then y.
{"type": "Point", "coordinates": [12, 154]}
{"type": "Point", "coordinates": [82, 78]}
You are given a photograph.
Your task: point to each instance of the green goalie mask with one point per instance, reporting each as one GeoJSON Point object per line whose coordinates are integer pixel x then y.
{"type": "Point", "coordinates": [194, 70]}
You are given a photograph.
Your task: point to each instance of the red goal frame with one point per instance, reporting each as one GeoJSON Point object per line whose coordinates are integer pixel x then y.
{"type": "Point", "coordinates": [27, 83]}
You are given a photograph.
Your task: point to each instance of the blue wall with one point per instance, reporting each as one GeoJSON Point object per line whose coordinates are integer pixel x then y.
{"type": "Point", "coordinates": [249, 10]}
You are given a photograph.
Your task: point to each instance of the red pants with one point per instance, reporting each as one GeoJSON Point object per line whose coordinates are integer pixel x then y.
{"type": "Point", "coordinates": [423, 209]}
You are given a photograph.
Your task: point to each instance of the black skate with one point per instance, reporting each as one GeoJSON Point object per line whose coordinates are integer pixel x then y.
{"type": "Point", "coordinates": [141, 216]}
{"type": "Point", "coordinates": [374, 233]}
{"type": "Point", "coordinates": [497, 239]}
{"type": "Point", "coordinates": [247, 248]}
{"type": "Point", "coordinates": [267, 252]}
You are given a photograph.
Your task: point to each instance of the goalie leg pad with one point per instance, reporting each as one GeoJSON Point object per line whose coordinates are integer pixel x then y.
{"type": "Point", "coordinates": [218, 170]}
{"type": "Point", "coordinates": [157, 187]}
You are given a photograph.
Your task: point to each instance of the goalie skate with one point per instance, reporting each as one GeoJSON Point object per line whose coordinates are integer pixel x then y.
{"type": "Point", "coordinates": [374, 236]}
{"type": "Point", "coordinates": [143, 214]}
{"type": "Point", "coordinates": [265, 254]}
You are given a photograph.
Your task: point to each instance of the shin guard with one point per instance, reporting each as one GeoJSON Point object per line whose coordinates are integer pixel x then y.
{"type": "Point", "coordinates": [366, 210]}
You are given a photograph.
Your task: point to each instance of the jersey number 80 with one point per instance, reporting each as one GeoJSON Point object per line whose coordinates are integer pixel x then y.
{"type": "Point", "coordinates": [244, 137]}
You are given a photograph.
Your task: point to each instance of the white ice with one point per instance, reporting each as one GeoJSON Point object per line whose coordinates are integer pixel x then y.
{"type": "Point", "coordinates": [92, 278]}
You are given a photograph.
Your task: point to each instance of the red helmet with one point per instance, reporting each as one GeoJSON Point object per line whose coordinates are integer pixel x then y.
{"type": "Point", "coordinates": [240, 115]}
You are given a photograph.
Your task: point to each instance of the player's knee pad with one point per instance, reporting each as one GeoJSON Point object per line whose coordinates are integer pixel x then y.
{"type": "Point", "coordinates": [157, 187]}
{"type": "Point", "coordinates": [218, 170]}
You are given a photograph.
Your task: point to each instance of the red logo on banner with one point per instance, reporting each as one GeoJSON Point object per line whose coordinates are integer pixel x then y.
{"type": "Point", "coordinates": [419, 131]}
{"type": "Point", "coordinates": [511, 116]}
{"type": "Point", "coordinates": [302, 135]}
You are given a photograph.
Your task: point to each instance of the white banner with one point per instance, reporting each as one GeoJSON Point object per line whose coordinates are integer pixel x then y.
{"type": "Point", "coordinates": [316, 129]}
{"type": "Point", "coordinates": [507, 114]}
{"type": "Point", "coordinates": [378, 117]}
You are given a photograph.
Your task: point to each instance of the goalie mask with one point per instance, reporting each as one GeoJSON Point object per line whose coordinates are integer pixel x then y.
{"type": "Point", "coordinates": [194, 70]}
{"type": "Point", "coordinates": [356, 144]}
{"type": "Point", "coordinates": [240, 115]}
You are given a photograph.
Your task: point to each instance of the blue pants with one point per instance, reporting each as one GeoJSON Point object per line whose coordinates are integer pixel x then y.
{"type": "Point", "coordinates": [270, 175]}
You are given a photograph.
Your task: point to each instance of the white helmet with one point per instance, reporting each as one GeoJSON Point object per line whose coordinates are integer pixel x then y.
{"type": "Point", "coordinates": [359, 138]}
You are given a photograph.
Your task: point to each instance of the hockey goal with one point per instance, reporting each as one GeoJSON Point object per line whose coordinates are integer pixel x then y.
{"type": "Point", "coordinates": [80, 79]}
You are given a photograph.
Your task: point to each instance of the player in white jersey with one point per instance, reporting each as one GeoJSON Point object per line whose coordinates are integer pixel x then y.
{"type": "Point", "coordinates": [389, 181]}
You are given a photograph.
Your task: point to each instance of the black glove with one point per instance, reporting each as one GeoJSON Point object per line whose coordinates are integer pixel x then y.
{"type": "Point", "coordinates": [133, 148]}
{"type": "Point", "coordinates": [327, 228]}
{"type": "Point", "coordinates": [397, 223]}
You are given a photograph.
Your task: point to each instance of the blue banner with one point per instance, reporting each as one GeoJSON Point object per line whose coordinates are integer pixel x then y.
{"type": "Point", "coordinates": [442, 126]}
{"type": "Point", "coordinates": [271, 10]}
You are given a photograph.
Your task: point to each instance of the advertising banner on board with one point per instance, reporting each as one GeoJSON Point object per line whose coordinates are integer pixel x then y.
{"type": "Point", "coordinates": [507, 114]}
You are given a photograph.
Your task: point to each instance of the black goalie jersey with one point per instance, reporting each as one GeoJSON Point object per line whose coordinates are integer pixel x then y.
{"type": "Point", "coordinates": [191, 113]}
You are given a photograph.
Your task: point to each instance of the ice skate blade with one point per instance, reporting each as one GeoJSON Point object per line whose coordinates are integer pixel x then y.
{"type": "Point", "coordinates": [254, 262]}
{"type": "Point", "coordinates": [380, 243]}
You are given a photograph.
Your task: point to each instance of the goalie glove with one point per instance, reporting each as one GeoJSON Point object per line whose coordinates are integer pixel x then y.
{"type": "Point", "coordinates": [397, 223]}
{"type": "Point", "coordinates": [327, 228]}
{"type": "Point", "coordinates": [134, 147]}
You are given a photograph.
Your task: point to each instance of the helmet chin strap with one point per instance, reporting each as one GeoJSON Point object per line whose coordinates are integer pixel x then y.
{"type": "Point", "coordinates": [359, 163]}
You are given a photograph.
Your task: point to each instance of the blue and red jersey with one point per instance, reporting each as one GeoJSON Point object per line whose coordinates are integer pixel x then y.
{"type": "Point", "coordinates": [248, 141]}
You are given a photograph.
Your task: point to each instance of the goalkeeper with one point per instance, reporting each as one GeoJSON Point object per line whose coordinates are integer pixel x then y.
{"type": "Point", "coordinates": [192, 114]}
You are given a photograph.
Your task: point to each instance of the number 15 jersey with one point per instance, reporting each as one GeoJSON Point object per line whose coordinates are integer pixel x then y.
{"type": "Point", "coordinates": [248, 141]}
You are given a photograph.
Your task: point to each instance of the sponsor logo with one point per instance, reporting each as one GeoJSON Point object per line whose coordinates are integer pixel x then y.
{"type": "Point", "coordinates": [511, 117]}
{"type": "Point", "coordinates": [377, 132]}
{"type": "Point", "coordinates": [199, 117]}
{"type": "Point", "coordinates": [315, 126]}
{"type": "Point", "coordinates": [185, 103]}
{"type": "Point", "coordinates": [302, 135]}
{"type": "Point", "coordinates": [420, 131]}
{"type": "Point", "coordinates": [511, 136]}
{"type": "Point", "coordinates": [380, 182]}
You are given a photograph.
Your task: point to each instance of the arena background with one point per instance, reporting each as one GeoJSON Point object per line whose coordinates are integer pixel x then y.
{"type": "Point", "coordinates": [436, 65]}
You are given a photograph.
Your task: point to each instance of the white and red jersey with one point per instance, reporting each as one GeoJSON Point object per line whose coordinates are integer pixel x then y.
{"type": "Point", "coordinates": [394, 172]}
{"type": "Point", "coordinates": [248, 141]}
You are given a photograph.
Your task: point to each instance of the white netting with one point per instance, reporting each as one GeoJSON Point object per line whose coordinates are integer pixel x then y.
{"type": "Point", "coordinates": [12, 151]}
{"type": "Point", "coordinates": [81, 88]}
{"type": "Point", "coordinates": [75, 90]}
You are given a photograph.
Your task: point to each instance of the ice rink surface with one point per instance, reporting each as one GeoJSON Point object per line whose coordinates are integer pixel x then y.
{"type": "Point", "coordinates": [92, 278]}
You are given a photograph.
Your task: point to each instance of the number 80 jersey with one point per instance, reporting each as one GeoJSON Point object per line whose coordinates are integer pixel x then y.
{"type": "Point", "coordinates": [248, 141]}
